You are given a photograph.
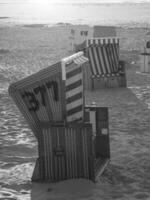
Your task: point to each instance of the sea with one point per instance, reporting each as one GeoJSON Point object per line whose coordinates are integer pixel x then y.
{"type": "Point", "coordinates": [44, 12]}
{"type": "Point", "coordinates": [33, 36]}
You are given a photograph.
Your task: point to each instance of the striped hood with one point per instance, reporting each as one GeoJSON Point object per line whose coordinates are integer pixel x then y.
{"type": "Point", "coordinates": [103, 54]}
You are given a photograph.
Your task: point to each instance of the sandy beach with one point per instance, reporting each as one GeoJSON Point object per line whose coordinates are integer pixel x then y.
{"type": "Point", "coordinates": [27, 49]}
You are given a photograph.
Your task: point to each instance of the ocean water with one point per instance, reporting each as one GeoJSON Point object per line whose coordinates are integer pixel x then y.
{"type": "Point", "coordinates": [30, 12]}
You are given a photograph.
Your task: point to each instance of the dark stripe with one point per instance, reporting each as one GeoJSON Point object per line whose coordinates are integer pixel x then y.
{"type": "Point", "coordinates": [74, 85]}
{"type": "Point", "coordinates": [74, 110]}
{"type": "Point", "coordinates": [105, 65]}
{"type": "Point", "coordinates": [73, 72]}
{"type": "Point", "coordinates": [116, 54]}
{"type": "Point", "coordinates": [79, 152]}
{"type": "Point", "coordinates": [108, 57]}
{"type": "Point", "coordinates": [89, 49]}
{"type": "Point", "coordinates": [99, 60]}
{"type": "Point", "coordinates": [112, 57]}
{"type": "Point", "coordinates": [74, 98]}
{"type": "Point", "coordinates": [94, 59]}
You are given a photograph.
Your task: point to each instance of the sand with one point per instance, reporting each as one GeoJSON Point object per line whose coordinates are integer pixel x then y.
{"type": "Point", "coordinates": [25, 50]}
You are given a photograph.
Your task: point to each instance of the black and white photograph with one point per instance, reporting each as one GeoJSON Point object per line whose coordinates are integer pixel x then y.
{"type": "Point", "coordinates": [74, 100]}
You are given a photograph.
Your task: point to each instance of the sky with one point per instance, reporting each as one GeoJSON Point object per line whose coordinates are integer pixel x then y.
{"type": "Point", "coordinates": [72, 1]}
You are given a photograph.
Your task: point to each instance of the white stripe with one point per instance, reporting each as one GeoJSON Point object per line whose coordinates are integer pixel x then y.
{"type": "Point", "coordinates": [74, 79]}
{"type": "Point", "coordinates": [75, 116]}
{"type": "Point", "coordinates": [72, 57]}
{"type": "Point", "coordinates": [81, 60]}
{"type": "Point", "coordinates": [106, 41]}
{"type": "Point", "coordinates": [74, 91]}
{"type": "Point", "coordinates": [74, 104]}
{"type": "Point", "coordinates": [92, 40]}
{"type": "Point", "coordinates": [96, 41]}
{"type": "Point", "coordinates": [63, 67]}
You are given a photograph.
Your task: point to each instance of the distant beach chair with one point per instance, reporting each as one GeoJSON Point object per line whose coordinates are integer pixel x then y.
{"type": "Point", "coordinates": [105, 70]}
{"type": "Point", "coordinates": [145, 59]}
{"type": "Point", "coordinates": [101, 46]}
{"type": "Point", "coordinates": [73, 139]}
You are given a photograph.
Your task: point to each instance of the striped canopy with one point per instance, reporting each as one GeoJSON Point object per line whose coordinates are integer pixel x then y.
{"type": "Point", "coordinates": [103, 54]}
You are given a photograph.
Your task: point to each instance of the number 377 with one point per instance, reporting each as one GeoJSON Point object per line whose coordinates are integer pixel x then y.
{"type": "Point", "coordinates": [33, 102]}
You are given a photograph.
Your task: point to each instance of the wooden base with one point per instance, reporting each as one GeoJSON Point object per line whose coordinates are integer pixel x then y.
{"type": "Point", "coordinates": [69, 152]}
{"type": "Point", "coordinates": [109, 82]}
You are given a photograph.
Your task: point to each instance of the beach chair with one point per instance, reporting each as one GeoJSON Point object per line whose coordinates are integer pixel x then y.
{"type": "Point", "coordinates": [73, 139]}
{"type": "Point", "coordinates": [145, 59]}
{"type": "Point", "coordinates": [105, 70]}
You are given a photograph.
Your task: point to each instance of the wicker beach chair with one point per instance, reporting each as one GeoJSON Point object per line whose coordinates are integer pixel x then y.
{"type": "Point", "coordinates": [73, 139]}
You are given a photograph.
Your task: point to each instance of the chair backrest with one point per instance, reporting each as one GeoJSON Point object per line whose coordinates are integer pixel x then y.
{"type": "Point", "coordinates": [54, 94]}
{"type": "Point", "coordinates": [103, 54]}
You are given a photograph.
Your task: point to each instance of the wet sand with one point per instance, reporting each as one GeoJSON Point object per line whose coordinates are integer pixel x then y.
{"type": "Point", "coordinates": [128, 174]}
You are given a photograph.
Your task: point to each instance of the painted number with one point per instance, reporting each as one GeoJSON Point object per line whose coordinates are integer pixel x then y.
{"type": "Point", "coordinates": [33, 102]}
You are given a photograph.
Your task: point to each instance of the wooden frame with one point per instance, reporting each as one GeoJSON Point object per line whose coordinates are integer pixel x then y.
{"type": "Point", "coordinates": [72, 150]}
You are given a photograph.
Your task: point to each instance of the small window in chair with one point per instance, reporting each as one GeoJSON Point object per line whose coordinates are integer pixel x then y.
{"type": "Point", "coordinates": [148, 44]}
{"type": "Point", "coordinates": [81, 32]}
{"type": "Point", "coordinates": [104, 131]}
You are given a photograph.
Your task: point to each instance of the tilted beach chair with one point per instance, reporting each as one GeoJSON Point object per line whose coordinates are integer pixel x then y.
{"type": "Point", "coordinates": [73, 139]}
